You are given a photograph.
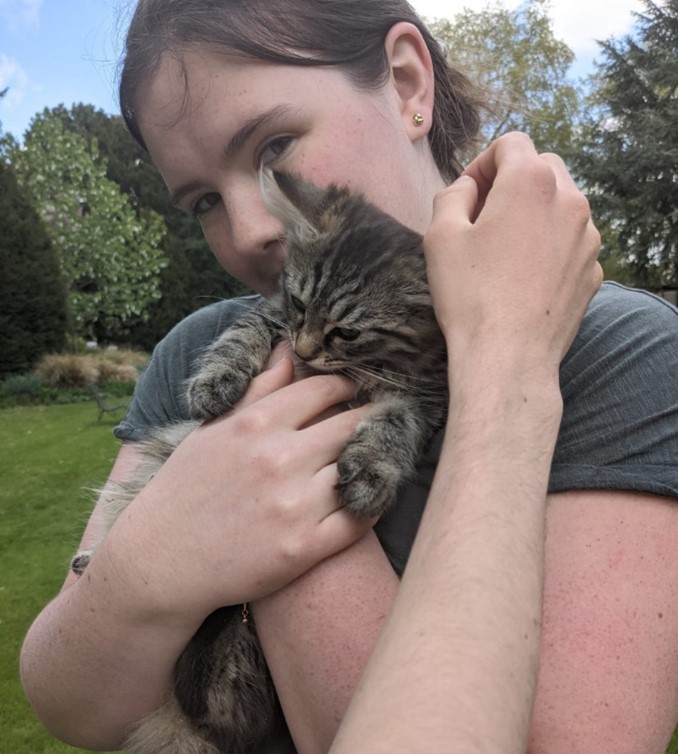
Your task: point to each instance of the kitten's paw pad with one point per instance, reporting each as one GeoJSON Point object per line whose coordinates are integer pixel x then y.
{"type": "Point", "coordinates": [367, 481]}
{"type": "Point", "coordinates": [81, 561]}
{"type": "Point", "coordinates": [212, 393]}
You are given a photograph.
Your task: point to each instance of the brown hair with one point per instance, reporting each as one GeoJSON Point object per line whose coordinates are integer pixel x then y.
{"type": "Point", "coordinates": [349, 34]}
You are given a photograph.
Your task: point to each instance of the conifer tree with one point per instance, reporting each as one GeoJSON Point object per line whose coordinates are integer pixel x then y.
{"type": "Point", "coordinates": [627, 155]}
{"type": "Point", "coordinates": [32, 292]}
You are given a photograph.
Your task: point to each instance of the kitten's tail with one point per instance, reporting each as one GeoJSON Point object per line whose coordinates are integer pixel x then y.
{"type": "Point", "coordinates": [167, 731]}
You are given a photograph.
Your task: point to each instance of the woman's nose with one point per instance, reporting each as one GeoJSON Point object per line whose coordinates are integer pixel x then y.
{"type": "Point", "coordinates": [253, 229]}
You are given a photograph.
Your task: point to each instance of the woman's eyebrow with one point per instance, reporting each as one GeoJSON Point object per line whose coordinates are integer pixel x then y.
{"type": "Point", "coordinates": [243, 134]}
{"type": "Point", "coordinates": [236, 143]}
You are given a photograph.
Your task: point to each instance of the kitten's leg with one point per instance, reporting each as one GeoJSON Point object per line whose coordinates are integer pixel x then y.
{"type": "Point", "coordinates": [382, 453]}
{"type": "Point", "coordinates": [223, 682]}
{"type": "Point", "coordinates": [231, 362]}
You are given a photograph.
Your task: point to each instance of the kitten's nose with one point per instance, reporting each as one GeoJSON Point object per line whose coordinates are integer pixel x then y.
{"type": "Point", "coordinates": [307, 345]}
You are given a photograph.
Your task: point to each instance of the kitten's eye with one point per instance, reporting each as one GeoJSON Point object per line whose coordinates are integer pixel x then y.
{"type": "Point", "coordinates": [273, 150]}
{"type": "Point", "coordinates": [298, 304]}
{"type": "Point", "coordinates": [345, 333]}
{"type": "Point", "coordinates": [205, 203]}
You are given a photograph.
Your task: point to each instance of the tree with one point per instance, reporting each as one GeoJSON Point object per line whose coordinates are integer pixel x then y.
{"type": "Point", "coordinates": [108, 254]}
{"type": "Point", "coordinates": [513, 56]}
{"type": "Point", "coordinates": [32, 292]}
{"type": "Point", "coordinates": [192, 276]}
{"type": "Point", "coordinates": [627, 152]}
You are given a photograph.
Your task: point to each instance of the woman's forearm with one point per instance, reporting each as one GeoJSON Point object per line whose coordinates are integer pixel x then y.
{"type": "Point", "coordinates": [95, 660]}
{"type": "Point", "coordinates": [318, 633]}
{"type": "Point", "coordinates": [92, 665]}
{"type": "Point", "coordinates": [457, 660]}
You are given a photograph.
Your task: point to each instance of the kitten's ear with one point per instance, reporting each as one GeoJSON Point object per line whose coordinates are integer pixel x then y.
{"type": "Point", "coordinates": [293, 201]}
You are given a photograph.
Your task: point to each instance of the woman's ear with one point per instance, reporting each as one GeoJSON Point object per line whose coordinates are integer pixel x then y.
{"type": "Point", "coordinates": [411, 76]}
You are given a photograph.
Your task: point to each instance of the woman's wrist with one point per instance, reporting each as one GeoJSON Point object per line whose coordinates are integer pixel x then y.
{"type": "Point", "coordinates": [498, 390]}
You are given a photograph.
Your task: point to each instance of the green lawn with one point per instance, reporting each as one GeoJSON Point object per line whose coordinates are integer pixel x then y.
{"type": "Point", "coordinates": [48, 457]}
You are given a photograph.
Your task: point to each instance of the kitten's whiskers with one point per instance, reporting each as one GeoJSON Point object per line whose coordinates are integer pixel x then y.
{"type": "Point", "coordinates": [371, 375]}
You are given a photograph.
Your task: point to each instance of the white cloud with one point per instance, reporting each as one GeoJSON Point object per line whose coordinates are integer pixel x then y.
{"type": "Point", "coordinates": [577, 22]}
{"type": "Point", "coordinates": [20, 13]}
{"type": "Point", "coordinates": [12, 75]}
{"type": "Point", "coordinates": [581, 22]}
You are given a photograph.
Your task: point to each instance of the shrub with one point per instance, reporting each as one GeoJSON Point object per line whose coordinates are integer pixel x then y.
{"type": "Point", "coordinates": [67, 370]}
{"type": "Point", "coordinates": [129, 356]}
{"type": "Point", "coordinates": [64, 371]}
{"type": "Point", "coordinates": [22, 386]}
{"type": "Point", "coordinates": [109, 371]}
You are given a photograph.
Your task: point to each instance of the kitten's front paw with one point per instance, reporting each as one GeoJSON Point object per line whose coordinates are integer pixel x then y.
{"type": "Point", "coordinates": [214, 391]}
{"type": "Point", "coordinates": [368, 480]}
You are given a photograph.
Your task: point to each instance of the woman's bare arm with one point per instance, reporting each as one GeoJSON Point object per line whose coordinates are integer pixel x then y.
{"type": "Point", "coordinates": [337, 609]}
{"type": "Point", "coordinates": [101, 654]}
{"type": "Point", "coordinates": [512, 259]}
{"type": "Point", "coordinates": [92, 662]}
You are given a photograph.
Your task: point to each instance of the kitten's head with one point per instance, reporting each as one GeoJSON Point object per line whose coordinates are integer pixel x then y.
{"type": "Point", "coordinates": [353, 288]}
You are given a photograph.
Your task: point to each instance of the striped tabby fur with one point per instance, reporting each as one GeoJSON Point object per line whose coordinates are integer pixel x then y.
{"type": "Point", "coordinates": [353, 299]}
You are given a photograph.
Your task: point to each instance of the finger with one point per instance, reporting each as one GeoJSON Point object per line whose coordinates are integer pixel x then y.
{"type": "Point", "coordinates": [280, 374]}
{"type": "Point", "coordinates": [329, 437]}
{"type": "Point", "coordinates": [279, 352]}
{"type": "Point", "coordinates": [564, 179]}
{"type": "Point", "coordinates": [322, 490]}
{"type": "Point", "coordinates": [336, 528]}
{"type": "Point", "coordinates": [514, 147]}
{"type": "Point", "coordinates": [458, 202]}
{"type": "Point", "coordinates": [296, 405]}
{"type": "Point", "coordinates": [339, 529]}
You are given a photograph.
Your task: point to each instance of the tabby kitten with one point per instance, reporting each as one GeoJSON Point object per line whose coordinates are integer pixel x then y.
{"type": "Point", "coordinates": [353, 299]}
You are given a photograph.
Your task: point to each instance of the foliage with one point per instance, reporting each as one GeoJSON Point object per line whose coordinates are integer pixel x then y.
{"type": "Point", "coordinates": [192, 276]}
{"type": "Point", "coordinates": [22, 386]}
{"type": "Point", "coordinates": [515, 58]}
{"type": "Point", "coordinates": [627, 153]}
{"type": "Point", "coordinates": [32, 293]}
{"type": "Point", "coordinates": [108, 253]}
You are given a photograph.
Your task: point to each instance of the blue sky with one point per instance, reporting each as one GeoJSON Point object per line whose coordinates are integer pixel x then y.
{"type": "Point", "coordinates": [66, 51]}
{"type": "Point", "coordinates": [57, 51]}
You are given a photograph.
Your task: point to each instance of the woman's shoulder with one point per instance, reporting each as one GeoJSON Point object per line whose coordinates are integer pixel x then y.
{"type": "Point", "coordinates": [616, 303]}
{"type": "Point", "coordinates": [625, 330]}
{"type": "Point", "coordinates": [620, 393]}
{"type": "Point", "coordinates": [187, 339]}
{"type": "Point", "coordinates": [159, 397]}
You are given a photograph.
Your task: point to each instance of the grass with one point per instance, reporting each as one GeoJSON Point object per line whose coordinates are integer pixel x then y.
{"type": "Point", "coordinates": [49, 456]}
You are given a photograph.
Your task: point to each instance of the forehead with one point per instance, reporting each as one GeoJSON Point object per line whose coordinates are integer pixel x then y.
{"type": "Point", "coordinates": [201, 81]}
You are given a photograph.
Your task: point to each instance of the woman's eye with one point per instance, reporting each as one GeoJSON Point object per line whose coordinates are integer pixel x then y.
{"type": "Point", "coordinates": [205, 203]}
{"type": "Point", "coordinates": [345, 333]}
{"type": "Point", "coordinates": [274, 149]}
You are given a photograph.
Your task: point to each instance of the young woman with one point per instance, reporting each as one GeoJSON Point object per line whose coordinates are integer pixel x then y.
{"type": "Point", "coordinates": [553, 419]}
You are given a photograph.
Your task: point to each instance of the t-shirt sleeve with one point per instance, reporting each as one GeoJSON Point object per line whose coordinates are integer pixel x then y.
{"type": "Point", "coordinates": [620, 390]}
{"type": "Point", "coordinates": [159, 396]}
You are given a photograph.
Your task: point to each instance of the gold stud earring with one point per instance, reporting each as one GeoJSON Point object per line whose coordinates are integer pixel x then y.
{"type": "Point", "coordinates": [418, 119]}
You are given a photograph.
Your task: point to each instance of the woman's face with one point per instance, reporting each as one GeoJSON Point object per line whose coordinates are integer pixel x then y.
{"type": "Point", "coordinates": [210, 124]}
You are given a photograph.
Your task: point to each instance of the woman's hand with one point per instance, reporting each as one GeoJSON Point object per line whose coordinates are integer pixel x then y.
{"type": "Point", "coordinates": [511, 256]}
{"type": "Point", "coordinates": [245, 504]}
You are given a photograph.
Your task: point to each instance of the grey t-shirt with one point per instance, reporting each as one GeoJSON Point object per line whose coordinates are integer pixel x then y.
{"type": "Point", "coordinates": [619, 382]}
